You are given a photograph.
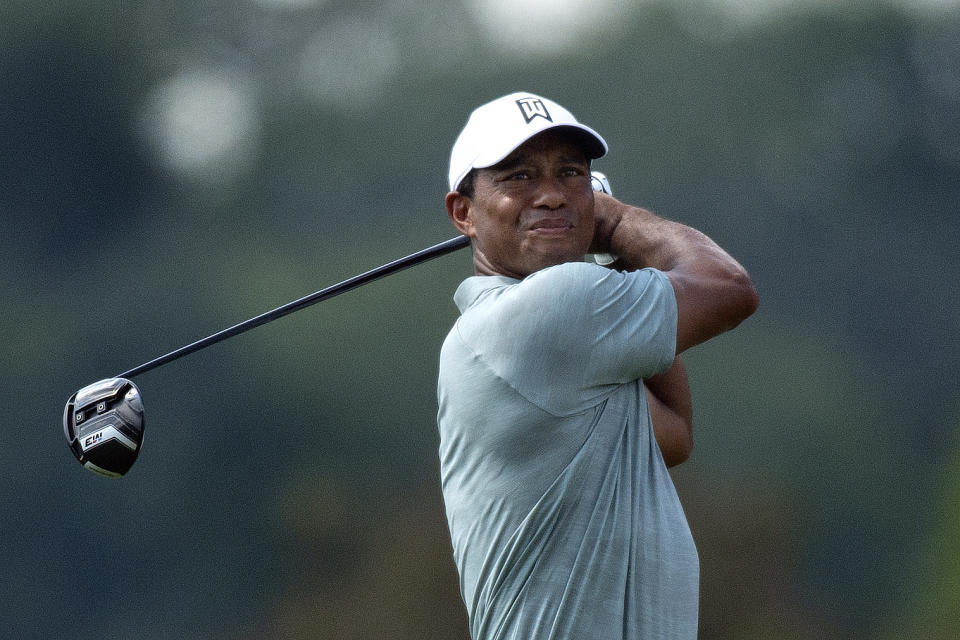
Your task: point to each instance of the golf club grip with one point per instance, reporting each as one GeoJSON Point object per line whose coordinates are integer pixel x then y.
{"type": "Point", "coordinates": [429, 253]}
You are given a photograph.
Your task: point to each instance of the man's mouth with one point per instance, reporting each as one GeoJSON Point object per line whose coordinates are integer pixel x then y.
{"type": "Point", "coordinates": [551, 225]}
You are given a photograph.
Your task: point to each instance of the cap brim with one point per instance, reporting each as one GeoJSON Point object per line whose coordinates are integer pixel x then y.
{"type": "Point", "coordinates": [589, 140]}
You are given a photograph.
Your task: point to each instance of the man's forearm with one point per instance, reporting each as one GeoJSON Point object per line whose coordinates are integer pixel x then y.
{"type": "Point", "coordinates": [640, 238]}
{"type": "Point", "coordinates": [714, 292]}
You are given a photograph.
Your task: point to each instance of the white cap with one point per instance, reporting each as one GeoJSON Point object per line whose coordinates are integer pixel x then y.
{"type": "Point", "coordinates": [495, 129]}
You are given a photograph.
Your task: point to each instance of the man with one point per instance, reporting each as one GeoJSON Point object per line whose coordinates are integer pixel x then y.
{"type": "Point", "coordinates": [562, 396]}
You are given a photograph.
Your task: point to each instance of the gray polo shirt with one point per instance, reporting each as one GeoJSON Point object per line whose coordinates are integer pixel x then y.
{"type": "Point", "coordinates": [564, 520]}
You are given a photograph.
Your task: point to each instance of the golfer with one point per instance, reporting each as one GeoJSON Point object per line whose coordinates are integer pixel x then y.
{"type": "Point", "coordinates": [562, 398]}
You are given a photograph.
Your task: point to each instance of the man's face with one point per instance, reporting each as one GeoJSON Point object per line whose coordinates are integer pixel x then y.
{"type": "Point", "coordinates": [532, 210]}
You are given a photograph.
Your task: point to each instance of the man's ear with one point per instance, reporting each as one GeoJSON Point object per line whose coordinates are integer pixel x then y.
{"type": "Point", "coordinates": [458, 208]}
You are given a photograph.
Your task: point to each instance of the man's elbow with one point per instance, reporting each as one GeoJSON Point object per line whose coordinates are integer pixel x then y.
{"type": "Point", "coordinates": [742, 299]}
{"type": "Point", "coordinates": [679, 444]}
{"type": "Point", "coordinates": [748, 296]}
{"type": "Point", "coordinates": [708, 307]}
{"type": "Point", "coordinates": [679, 453]}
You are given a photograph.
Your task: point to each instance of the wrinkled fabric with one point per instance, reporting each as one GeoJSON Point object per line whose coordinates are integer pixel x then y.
{"type": "Point", "coordinates": [564, 520]}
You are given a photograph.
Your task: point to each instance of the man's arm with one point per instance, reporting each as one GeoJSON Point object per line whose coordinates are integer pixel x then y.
{"type": "Point", "coordinates": [714, 292]}
{"type": "Point", "coordinates": [671, 410]}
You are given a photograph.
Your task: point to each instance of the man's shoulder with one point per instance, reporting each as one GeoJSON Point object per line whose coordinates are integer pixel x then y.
{"type": "Point", "coordinates": [591, 277]}
{"type": "Point", "coordinates": [550, 283]}
{"type": "Point", "coordinates": [475, 287]}
{"type": "Point", "coordinates": [566, 276]}
{"type": "Point", "coordinates": [554, 286]}
{"type": "Point", "coordinates": [570, 270]}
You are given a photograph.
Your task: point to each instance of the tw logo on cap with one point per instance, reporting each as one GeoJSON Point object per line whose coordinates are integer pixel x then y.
{"type": "Point", "coordinates": [533, 108]}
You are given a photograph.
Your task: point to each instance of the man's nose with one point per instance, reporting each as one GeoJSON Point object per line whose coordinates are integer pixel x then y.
{"type": "Point", "coordinates": [549, 193]}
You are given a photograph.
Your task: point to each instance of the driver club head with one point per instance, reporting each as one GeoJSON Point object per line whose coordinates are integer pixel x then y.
{"type": "Point", "coordinates": [104, 423]}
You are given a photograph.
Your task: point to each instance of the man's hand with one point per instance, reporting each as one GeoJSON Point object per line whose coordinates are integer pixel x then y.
{"type": "Point", "coordinates": [607, 212]}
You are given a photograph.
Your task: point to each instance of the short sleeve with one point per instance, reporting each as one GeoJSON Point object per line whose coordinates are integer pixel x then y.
{"type": "Point", "coordinates": [566, 336]}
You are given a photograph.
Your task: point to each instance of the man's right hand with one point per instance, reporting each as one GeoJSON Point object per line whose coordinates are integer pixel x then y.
{"type": "Point", "coordinates": [607, 212]}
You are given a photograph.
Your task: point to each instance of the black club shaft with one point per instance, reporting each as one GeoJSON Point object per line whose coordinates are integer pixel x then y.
{"type": "Point", "coordinates": [429, 253]}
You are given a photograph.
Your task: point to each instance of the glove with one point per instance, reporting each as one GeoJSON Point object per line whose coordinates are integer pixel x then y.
{"type": "Point", "coordinates": [600, 183]}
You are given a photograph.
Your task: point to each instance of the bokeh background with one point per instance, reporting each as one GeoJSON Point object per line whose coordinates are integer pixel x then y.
{"type": "Point", "coordinates": [168, 169]}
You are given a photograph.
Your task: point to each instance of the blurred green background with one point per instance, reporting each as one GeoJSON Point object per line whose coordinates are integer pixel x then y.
{"type": "Point", "coordinates": [169, 169]}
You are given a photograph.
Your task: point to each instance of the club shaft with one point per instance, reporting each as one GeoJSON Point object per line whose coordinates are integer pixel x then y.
{"type": "Point", "coordinates": [429, 253]}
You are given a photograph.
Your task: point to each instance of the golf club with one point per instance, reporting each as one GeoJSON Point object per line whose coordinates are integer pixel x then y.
{"type": "Point", "coordinates": [104, 421]}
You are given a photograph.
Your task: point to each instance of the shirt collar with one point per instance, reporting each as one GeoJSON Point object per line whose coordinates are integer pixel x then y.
{"type": "Point", "coordinates": [471, 289]}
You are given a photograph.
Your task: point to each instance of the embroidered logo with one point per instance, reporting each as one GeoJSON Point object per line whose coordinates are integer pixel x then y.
{"type": "Point", "coordinates": [533, 108]}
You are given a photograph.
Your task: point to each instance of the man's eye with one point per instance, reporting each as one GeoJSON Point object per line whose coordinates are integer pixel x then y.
{"type": "Point", "coordinates": [519, 175]}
